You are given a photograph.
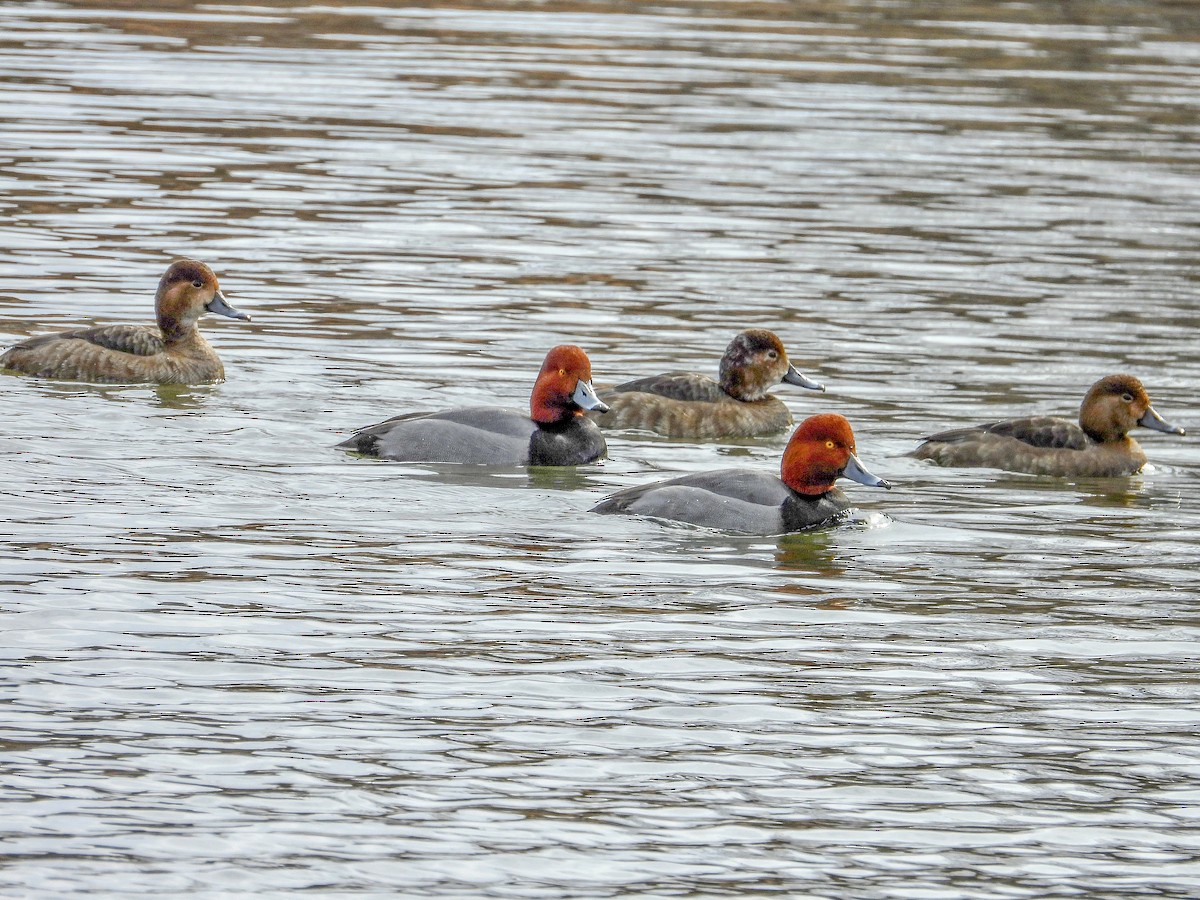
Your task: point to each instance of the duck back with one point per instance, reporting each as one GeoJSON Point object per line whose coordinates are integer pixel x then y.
{"type": "Point", "coordinates": [729, 500]}
{"type": "Point", "coordinates": [686, 386]}
{"type": "Point", "coordinates": [1037, 431]}
{"type": "Point", "coordinates": [689, 406]}
{"type": "Point", "coordinates": [115, 354]}
{"type": "Point", "coordinates": [482, 435]}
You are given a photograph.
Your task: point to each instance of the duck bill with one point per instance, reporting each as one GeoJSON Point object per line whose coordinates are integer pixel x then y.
{"type": "Point", "coordinates": [585, 397]}
{"type": "Point", "coordinates": [799, 379]}
{"type": "Point", "coordinates": [221, 307]}
{"type": "Point", "coordinates": [856, 471]}
{"type": "Point", "coordinates": [1154, 421]}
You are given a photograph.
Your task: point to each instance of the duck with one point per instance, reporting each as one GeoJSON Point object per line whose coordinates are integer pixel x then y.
{"type": "Point", "coordinates": [820, 451]}
{"type": "Point", "coordinates": [1098, 446]}
{"type": "Point", "coordinates": [693, 406]}
{"type": "Point", "coordinates": [554, 433]}
{"type": "Point", "coordinates": [170, 352]}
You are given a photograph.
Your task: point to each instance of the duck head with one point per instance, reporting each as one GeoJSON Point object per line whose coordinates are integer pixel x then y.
{"type": "Point", "coordinates": [1116, 405]}
{"type": "Point", "coordinates": [564, 387]}
{"type": "Point", "coordinates": [187, 290]}
{"type": "Point", "coordinates": [820, 451]}
{"type": "Point", "coordinates": [754, 362]}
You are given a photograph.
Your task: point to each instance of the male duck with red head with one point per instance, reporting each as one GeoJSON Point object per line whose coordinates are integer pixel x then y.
{"type": "Point", "coordinates": [555, 433]}
{"type": "Point", "coordinates": [688, 405]}
{"type": "Point", "coordinates": [820, 451]}
{"type": "Point", "coordinates": [1099, 446]}
{"type": "Point", "coordinates": [171, 352]}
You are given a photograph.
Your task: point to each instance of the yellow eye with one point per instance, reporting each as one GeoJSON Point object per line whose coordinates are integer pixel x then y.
{"type": "Point", "coordinates": [562, 371]}
{"type": "Point", "coordinates": [829, 445]}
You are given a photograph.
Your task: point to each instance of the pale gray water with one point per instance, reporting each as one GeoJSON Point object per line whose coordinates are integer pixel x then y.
{"type": "Point", "coordinates": [240, 662]}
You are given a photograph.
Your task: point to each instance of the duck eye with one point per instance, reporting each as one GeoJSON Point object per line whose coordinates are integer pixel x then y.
{"type": "Point", "coordinates": [830, 445]}
{"type": "Point", "coordinates": [771, 354]}
{"type": "Point", "coordinates": [1128, 398]}
{"type": "Point", "coordinates": [197, 283]}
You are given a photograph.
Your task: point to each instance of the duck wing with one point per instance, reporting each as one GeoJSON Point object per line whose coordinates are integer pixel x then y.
{"type": "Point", "coordinates": [420, 427]}
{"type": "Point", "coordinates": [1049, 432]}
{"type": "Point", "coordinates": [675, 386]}
{"type": "Point", "coordinates": [137, 340]}
{"type": "Point", "coordinates": [741, 485]}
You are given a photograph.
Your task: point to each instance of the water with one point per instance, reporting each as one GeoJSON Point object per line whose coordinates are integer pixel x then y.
{"type": "Point", "coordinates": [242, 663]}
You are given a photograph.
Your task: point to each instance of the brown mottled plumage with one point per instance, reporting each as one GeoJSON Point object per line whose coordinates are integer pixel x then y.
{"type": "Point", "coordinates": [171, 352]}
{"type": "Point", "coordinates": [1098, 446]}
{"type": "Point", "coordinates": [687, 405]}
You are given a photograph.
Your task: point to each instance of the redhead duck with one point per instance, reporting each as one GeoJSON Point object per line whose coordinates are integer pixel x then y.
{"type": "Point", "coordinates": [172, 352]}
{"type": "Point", "coordinates": [1098, 446]}
{"type": "Point", "coordinates": [695, 406]}
{"type": "Point", "coordinates": [555, 433]}
{"type": "Point", "coordinates": [820, 451]}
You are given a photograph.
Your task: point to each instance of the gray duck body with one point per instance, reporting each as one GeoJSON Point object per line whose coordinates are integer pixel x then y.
{"type": "Point", "coordinates": [481, 435]}
{"type": "Point", "coordinates": [730, 500]}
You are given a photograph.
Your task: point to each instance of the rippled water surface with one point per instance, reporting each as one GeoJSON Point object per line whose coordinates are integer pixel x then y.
{"type": "Point", "coordinates": [240, 662]}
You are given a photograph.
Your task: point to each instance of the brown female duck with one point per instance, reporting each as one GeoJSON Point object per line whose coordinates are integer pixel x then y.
{"type": "Point", "coordinates": [1099, 445]}
{"type": "Point", "coordinates": [171, 352]}
{"type": "Point", "coordinates": [695, 406]}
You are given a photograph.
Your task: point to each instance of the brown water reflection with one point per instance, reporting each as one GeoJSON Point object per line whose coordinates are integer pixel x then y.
{"type": "Point", "coordinates": [241, 662]}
